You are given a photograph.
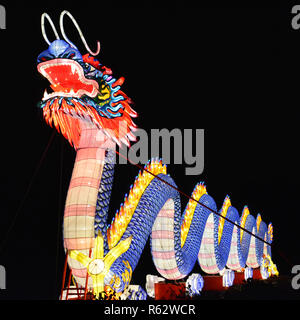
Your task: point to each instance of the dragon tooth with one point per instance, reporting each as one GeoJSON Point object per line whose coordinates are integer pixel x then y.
{"type": "Point", "coordinates": [73, 68]}
{"type": "Point", "coordinates": [46, 95]}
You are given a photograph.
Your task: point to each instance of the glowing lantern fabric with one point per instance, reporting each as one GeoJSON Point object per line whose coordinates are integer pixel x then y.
{"type": "Point", "coordinates": [194, 284]}
{"type": "Point", "coordinates": [89, 109]}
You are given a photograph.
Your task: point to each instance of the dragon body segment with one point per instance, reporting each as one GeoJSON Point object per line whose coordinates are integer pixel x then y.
{"type": "Point", "coordinates": [88, 107]}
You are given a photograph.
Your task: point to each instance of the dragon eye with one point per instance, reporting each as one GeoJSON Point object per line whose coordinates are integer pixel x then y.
{"type": "Point", "coordinates": [72, 55]}
{"type": "Point", "coordinates": [88, 67]}
{"type": "Point", "coordinates": [43, 59]}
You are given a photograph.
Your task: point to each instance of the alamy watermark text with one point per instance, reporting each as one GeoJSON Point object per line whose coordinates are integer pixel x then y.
{"type": "Point", "coordinates": [2, 17]}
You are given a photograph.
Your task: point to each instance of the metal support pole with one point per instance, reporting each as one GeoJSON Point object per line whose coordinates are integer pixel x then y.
{"type": "Point", "coordinates": [87, 277]}
{"type": "Point", "coordinates": [64, 276]}
{"type": "Point", "coordinates": [68, 286]}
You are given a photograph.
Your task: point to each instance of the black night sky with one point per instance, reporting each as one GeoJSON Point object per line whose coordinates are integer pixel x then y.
{"type": "Point", "coordinates": [230, 70]}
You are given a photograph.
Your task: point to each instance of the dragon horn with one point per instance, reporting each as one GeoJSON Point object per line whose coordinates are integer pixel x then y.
{"type": "Point", "coordinates": [61, 24]}
{"type": "Point", "coordinates": [43, 16]}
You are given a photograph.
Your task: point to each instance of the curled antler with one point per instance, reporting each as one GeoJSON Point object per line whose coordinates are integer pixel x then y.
{"type": "Point", "coordinates": [79, 31]}
{"type": "Point", "coordinates": [43, 16]}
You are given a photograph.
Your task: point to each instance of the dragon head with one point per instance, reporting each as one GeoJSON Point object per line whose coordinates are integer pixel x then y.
{"type": "Point", "coordinates": [83, 90]}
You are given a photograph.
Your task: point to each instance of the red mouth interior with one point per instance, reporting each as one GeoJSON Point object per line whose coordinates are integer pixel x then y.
{"type": "Point", "coordinates": [65, 76]}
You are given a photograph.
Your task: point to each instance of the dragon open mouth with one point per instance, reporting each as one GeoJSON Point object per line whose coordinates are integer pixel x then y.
{"type": "Point", "coordinates": [67, 79]}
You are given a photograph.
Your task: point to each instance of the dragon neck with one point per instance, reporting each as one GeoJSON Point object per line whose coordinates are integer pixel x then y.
{"type": "Point", "coordinates": [81, 202]}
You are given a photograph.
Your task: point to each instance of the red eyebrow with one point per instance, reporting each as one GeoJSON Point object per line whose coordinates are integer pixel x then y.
{"type": "Point", "coordinates": [96, 64]}
{"type": "Point", "coordinates": [91, 60]}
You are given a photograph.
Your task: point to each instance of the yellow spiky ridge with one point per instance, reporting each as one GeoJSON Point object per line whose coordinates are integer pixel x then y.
{"type": "Point", "coordinates": [244, 216]}
{"type": "Point", "coordinates": [258, 221]}
{"type": "Point", "coordinates": [198, 192]}
{"type": "Point", "coordinates": [225, 206]}
{"type": "Point", "coordinates": [270, 231]}
{"type": "Point", "coordinates": [124, 215]}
